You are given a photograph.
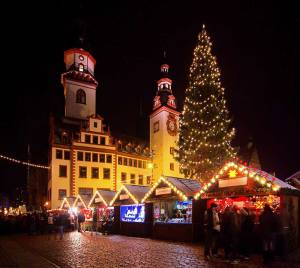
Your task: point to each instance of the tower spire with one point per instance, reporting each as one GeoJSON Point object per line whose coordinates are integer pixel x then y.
{"type": "Point", "coordinates": [164, 95]}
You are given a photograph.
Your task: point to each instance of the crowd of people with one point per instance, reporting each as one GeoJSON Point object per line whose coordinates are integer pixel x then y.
{"type": "Point", "coordinates": [233, 232]}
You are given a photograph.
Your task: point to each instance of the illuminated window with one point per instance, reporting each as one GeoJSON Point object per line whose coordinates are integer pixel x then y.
{"type": "Point", "coordinates": [135, 163]}
{"type": "Point", "coordinates": [123, 177]}
{"type": "Point", "coordinates": [130, 162]}
{"type": "Point", "coordinates": [148, 179]}
{"type": "Point", "coordinates": [120, 160]}
{"type": "Point", "coordinates": [62, 193]}
{"type": "Point", "coordinates": [140, 179]}
{"type": "Point", "coordinates": [95, 125]}
{"type": "Point", "coordinates": [81, 67]}
{"type": "Point", "coordinates": [140, 164]}
{"type": "Point", "coordinates": [132, 178]}
{"type": "Point", "coordinates": [171, 166]}
{"type": "Point", "coordinates": [85, 192]}
{"type": "Point", "coordinates": [125, 161]}
{"type": "Point", "coordinates": [80, 96]}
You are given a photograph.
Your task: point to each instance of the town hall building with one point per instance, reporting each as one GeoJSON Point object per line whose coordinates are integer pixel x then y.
{"type": "Point", "coordinates": [85, 157]}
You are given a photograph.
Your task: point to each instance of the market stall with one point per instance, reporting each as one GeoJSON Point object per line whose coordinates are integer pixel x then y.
{"type": "Point", "coordinates": [67, 203]}
{"type": "Point", "coordinates": [104, 213]}
{"type": "Point", "coordinates": [80, 205]}
{"type": "Point", "coordinates": [245, 187]}
{"type": "Point", "coordinates": [175, 214]}
{"type": "Point", "coordinates": [135, 218]}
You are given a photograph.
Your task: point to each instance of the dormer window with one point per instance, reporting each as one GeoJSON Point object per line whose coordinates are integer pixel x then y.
{"type": "Point", "coordinates": [80, 96]}
{"type": "Point", "coordinates": [81, 67]}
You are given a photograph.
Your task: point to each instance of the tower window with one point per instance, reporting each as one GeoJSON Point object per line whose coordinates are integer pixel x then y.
{"type": "Point", "coordinates": [87, 138]}
{"type": "Point", "coordinates": [81, 67]}
{"type": "Point", "coordinates": [171, 166]}
{"type": "Point", "coordinates": [95, 139]}
{"type": "Point", "coordinates": [59, 154]}
{"type": "Point", "coordinates": [80, 96]}
{"type": "Point", "coordinates": [62, 171]}
{"type": "Point", "coordinates": [156, 126]}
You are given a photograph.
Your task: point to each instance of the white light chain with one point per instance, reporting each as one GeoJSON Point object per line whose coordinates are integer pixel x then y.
{"type": "Point", "coordinates": [22, 162]}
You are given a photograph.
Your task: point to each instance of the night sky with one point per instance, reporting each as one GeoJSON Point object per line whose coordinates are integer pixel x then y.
{"type": "Point", "coordinates": [255, 43]}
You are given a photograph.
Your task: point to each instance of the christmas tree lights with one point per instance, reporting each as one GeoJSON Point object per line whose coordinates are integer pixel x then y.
{"type": "Point", "coordinates": [205, 132]}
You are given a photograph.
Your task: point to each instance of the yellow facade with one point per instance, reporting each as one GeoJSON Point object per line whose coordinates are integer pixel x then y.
{"type": "Point", "coordinates": [86, 159]}
{"type": "Point", "coordinates": [163, 144]}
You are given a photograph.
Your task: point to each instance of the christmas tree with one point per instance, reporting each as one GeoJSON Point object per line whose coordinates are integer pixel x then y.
{"type": "Point", "coordinates": [205, 131]}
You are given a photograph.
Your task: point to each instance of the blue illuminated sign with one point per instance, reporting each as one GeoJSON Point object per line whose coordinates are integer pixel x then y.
{"type": "Point", "coordinates": [133, 213]}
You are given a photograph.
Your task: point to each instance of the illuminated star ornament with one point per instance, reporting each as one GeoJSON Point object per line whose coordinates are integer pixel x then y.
{"type": "Point", "coordinates": [232, 173]}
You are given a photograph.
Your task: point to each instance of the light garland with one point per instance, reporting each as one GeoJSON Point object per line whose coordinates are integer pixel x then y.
{"type": "Point", "coordinates": [162, 179]}
{"type": "Point", "coordinates": [205, 132]}
{"type": "Point", "coordinates": [94, 196]}
{"type": "Point", "coordinates": [65, 201]}
{"type": "Point", "coordinates": [23, 162]}
{"type": "Point", "coordinates": [76, 200]}
{"type": "Point", "coordinates": [119, 192]}
{"type": "Point", "coordinates": [243, 169]}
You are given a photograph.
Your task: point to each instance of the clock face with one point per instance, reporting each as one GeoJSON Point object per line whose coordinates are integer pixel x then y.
{"type": "Point", "coordinates": [81, 57]}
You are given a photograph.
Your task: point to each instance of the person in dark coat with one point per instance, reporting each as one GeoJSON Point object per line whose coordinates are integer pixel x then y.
{"type": "Point", "coordinates": [212, 230]}
{"type": "Point", "coordinates": [247, 227]}
{"type": "Point", "coordinates": [268, 228]}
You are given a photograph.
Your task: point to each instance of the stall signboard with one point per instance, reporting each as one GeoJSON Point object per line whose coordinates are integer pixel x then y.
{"type": "Point", "coordinates": [164, 190]}
{"type": "Point", "coordinates": [88, 214]}
{"type": "Point", "coordinates": [124, 196]}
{"type": "Point", "coordinates": [133, 213]}
{"type": "Point", "coordinates": [232, 182]}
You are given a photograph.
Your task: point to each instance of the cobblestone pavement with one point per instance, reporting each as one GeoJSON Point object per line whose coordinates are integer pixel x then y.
{"type": "Point", "coordinates": [86, 250]}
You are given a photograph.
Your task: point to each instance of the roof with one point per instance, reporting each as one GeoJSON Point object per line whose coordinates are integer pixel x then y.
{"type": "Point", "coordinates": [80, 76]}
{"type": "Point", "coordinates": [81, 51]}
{"type": "Point", "coordinates": [188, 186]}
{"type": "Point", "coordinates": [68, 200]}
{"type": "Point", "coordinates": [273, 179]}
{"type": "Point", "coordinates": [295, 176]}
{"type": "Point", "coordinates": [137, 191]}
{"type": "Point", "coordinates": [107, 195]}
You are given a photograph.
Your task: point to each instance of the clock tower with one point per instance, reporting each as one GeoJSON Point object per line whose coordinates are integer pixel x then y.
{"type": "Point", "coordinates": [79, 84]}
{"type": "Point", "coordinates": [164, 124]}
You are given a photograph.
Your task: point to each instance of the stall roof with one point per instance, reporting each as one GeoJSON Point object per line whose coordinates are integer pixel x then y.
{"type": "Point", "coordinates": [183, 187]}
{"type": "Point", "coordinates": [188, 186]}
{"type": "Point", "coordinates": [135, 192]}
{"type": "Point", "coordinates": [260, 176]}
{"type": "Point", "coordinates": [69, 201]}
{"type": "Point", "coordinates": [271, 178]}
{"type": "Point", "coordinates": [105, 195]}
{"type": "Point", "coordinates": [83, 199]}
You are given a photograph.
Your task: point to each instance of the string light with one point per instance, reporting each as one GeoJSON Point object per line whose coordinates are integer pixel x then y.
{"type": "Point", "coordinates": [94, 196]}
{"type": "Point", "coordinates": [78, 198]}
{"type": "Point", "coordinates": [258, 176]}
{"type": "Point", "coordinates": [23, 162]}
{"type": "Point", "coordinates": [173, 187]}
{"type": "Point", "coordinates": [119, 192]}
{"type": "Point", "coordinates": [205, 132]}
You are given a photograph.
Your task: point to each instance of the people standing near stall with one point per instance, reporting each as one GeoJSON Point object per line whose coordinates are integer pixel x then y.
{"type": "Point", "coordinates": [81, 220]}
{"type": "Point", "coordinates": [235, 232]}
{"type": "Point", "coordinates": [268, 227]}
{"type": "Point", "coordinates": [247, 227]}
{"type": "Point", "coordinates": [226, 232]}
{"type": "Point", "coordinates": [212, 231]}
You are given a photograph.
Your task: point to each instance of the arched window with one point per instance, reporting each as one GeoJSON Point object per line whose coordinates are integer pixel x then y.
{"type": "Point", "coordinates": [81, 67]}
{"type": "Point", "coordinates": [80, 96]}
